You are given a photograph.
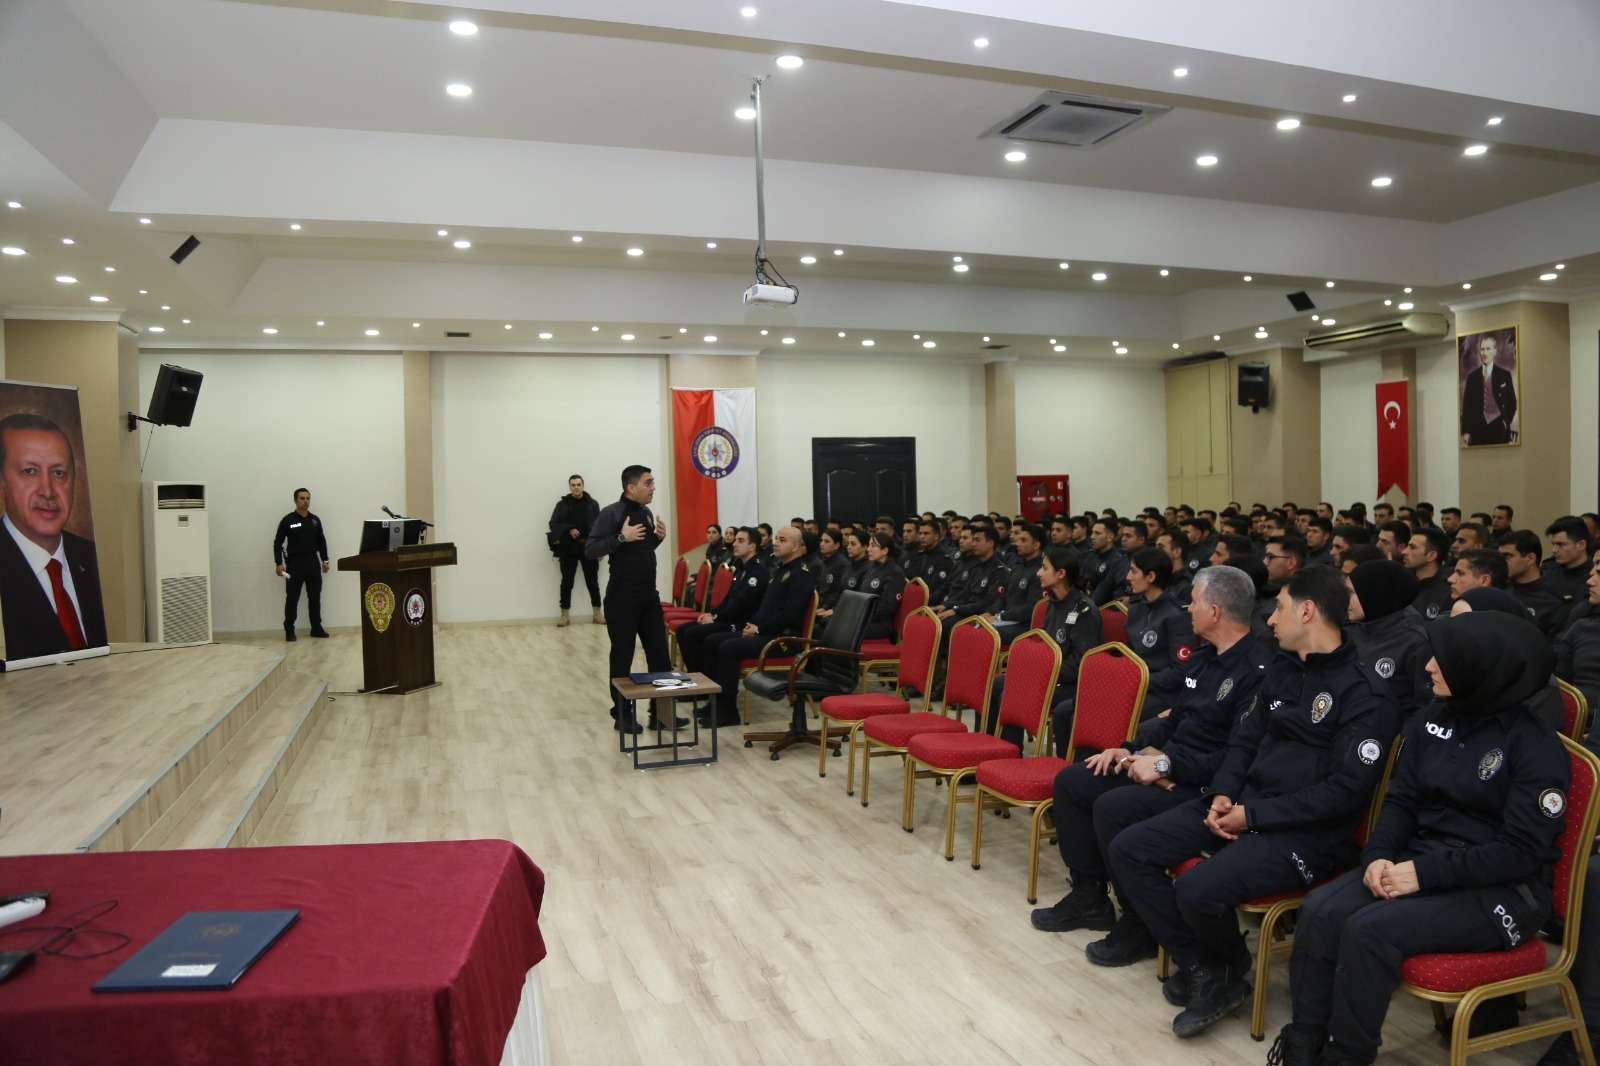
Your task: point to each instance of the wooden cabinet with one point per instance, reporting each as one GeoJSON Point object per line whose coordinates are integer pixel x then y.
{"type": "Point", "coordinates": [1197, 435]}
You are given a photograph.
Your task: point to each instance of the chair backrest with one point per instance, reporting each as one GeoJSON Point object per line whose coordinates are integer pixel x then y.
{"type": "Point", "coordinates": [1111, 686]}
{"type": "Point", "coordinates": [720, 584]}
{"type": "Point", "coordinates": [809, 623]}
{"type": "Point", "coordinates": [1576, 842]}
{"type": "Point", "coordinates": [913, 596]}
{"type": "Point", "coordinates": [919, 652]}
{"type": "Point", "coordinates": [1114, 623]}
{"type": "Point", "coordinates": [680, 578]}
{"type": "Point", "coordinates": [1036, 620]}
{"type": "Point", "coordinates": [844, 632]}
{"type": "Point", "coordinates": [702, 581]}
{"type": "Point", "coordinates": [969, 674]}
{"type": "Point", "coordinates": [1375, 808]}
{"type": "Point", "coordinates": [1575, 722]}
{"type": "Point", "coordinates": [1031, 673]}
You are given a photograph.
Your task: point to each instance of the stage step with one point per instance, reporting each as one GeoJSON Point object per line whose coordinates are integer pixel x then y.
{"type": "Point", "coordinates": [224, 805]}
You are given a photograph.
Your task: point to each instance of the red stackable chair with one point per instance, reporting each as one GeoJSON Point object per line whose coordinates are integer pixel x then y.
{"type": "Point", "coordinates": [879, 656]}
{"type": "Point", "coordinates": [1111, 686]}
{"type": "Point", "coordinates": [1114, 622]}
{"type": "Point", "coordinates": [1575, 720]}
{"type": "Point", "coordinates": [1036, 620]}
{"type": "Point", "coordinates": [969, 675]}
{"type": "Point", "coordinates": [677, 617]}
{"type": "Point", "coordinates": [702, 579]}
{"type": "Point", "coordinates": [1025, 703]}
{"type": "Point", "coordinates": [919, 652]}
{"type": "Point", "coordinates": [680, 579]}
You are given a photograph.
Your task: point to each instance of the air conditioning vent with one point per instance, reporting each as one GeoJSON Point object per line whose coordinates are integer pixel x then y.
{"type": "Point", "coordinates": [1398, 331]}
{"type": "Point", "coordinates": [1075, 121]}
{"type": "Point", "coordinates": [995, 347]}
{"type": "Point", "coordinates": [456, 333]}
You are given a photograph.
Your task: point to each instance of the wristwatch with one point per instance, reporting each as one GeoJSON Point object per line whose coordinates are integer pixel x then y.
{"type": "Point", "coordinates": [1163, 766]}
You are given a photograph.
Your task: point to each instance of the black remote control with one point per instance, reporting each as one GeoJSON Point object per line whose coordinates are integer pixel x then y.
{"type": "Point", "coordinates": [13, 963]}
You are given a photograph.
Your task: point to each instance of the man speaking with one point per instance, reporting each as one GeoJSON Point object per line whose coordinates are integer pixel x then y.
{"type": "Point", "coordinates": [630, 535]}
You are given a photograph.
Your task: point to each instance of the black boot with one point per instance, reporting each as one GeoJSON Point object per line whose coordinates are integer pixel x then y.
{"type": "Point", "coordinates": [657, 723]}
{"type": "Point", "coordinates": [1297, 1045]}
{"type": "Point", "coordinates": [1127, 943]}
{"type": "Point", "coordinates": [1564, 1052]}
{"type": "Point", "coordinates": [627, 722]}
{"type": "Point", "coordinates": [1087, 906]}
{"type": "Point", "coordinates": [1175, 989]}
{"type": "Point", "coordinates": [1491, 1016]}
{"type": "Point", "coordinates": [288, 632]}
{"type": "Point", "coordinates": [1215, 991]}
{"type": "Point", "coordinates": [1334, 1055]}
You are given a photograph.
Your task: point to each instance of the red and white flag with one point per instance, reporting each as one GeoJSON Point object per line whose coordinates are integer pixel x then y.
{"type": "Point", "coordinates": [714, 460]}
{"type": "Point", "coordinates": [1394, 436]}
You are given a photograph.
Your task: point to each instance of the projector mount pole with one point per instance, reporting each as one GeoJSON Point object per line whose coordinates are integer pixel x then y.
{"type": "Point", "coordinates": [761, 185]}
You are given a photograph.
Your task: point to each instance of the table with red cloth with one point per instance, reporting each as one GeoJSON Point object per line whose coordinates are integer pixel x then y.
{"type": "Point", "coordinates": [403, 954]}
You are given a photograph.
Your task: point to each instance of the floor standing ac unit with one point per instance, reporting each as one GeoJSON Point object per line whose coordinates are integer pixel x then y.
{"type": "Point", "coordinates": [177, 563]}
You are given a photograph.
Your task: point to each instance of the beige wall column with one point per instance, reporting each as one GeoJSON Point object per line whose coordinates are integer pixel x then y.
{"type": "Point", "coordinates": [102, 362]}
{"type": "Point", "coordinates": [695, 372]}
{"type": "Point", "coordinates": [1400, 364]}
{"type": "Point", "coordinates": [1276, 452]}
{"type": "Point", "coordinates": [1533, 476]}
{"type": "Point", "coordinates": [417, 368]}
{"type": "Point", "coordinates": [1000, 436]}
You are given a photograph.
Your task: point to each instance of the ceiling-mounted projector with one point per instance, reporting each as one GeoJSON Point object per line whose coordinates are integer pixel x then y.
{"type": "Point", "coordinates": [771, 295]}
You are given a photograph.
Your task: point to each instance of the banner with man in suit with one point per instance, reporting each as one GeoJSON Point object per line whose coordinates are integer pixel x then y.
{"type": "Point", "coordinates": [50, 605]}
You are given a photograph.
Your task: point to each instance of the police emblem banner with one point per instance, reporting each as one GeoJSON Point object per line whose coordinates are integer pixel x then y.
{"type": "Point", "coordinates": [714, 460]}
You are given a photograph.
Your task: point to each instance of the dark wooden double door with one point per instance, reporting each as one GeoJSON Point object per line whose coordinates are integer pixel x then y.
{"type": "Point", "coordinates": [859, 478]}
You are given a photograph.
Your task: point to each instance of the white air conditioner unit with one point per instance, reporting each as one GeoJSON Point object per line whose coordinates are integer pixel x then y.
{"type": "Point", "coordinates": [1384, 333]}
{"type": "Point", "coordinates": [177, 563]}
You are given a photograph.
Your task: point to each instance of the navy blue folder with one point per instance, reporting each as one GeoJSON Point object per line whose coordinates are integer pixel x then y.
{"type": "Point", "coordinates": [660, 675]}
{"type": "Point", "coordinates": [203, 949]}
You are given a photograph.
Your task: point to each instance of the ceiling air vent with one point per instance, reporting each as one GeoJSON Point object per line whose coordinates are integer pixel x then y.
{"type": "Point", "coordinates": [456, 333]}
{"type": "Point", "coordinates": [995, 347]}
{"type": "Point", "coordinates": [1075, 121]}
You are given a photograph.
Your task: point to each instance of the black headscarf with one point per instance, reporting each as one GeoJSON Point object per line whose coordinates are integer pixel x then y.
{"type": "Point", "coordinates": [1383, 586]}
{"type": "Point", "coordinates": [1491, 661]}
{"type": "Point", "coordinates": [1484, 598]}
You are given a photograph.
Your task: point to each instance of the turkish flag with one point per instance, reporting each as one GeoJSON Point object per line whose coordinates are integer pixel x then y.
{"type": "Point", "coordinates": [1394, 436]}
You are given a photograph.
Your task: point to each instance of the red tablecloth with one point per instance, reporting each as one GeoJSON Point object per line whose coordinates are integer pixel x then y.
{"type": "Point", "coordinates": [403, 954]}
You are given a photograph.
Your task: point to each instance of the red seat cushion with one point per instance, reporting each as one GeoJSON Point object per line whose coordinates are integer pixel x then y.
{"type": "Point", "coordinates": [879, 649]}
{"type": "Point", "coordinates": [952, 751]}
{"type": "Point", "coordinates": [858, 707]}
{"type": "Point", "coordinates": [1027, 780]}
{"type": "Point", "coordinates": [1185, 866]}
{"type": "Point", "coordinates": [897, 730]}
{"type": "Point", "coordinates": [1463, 971]}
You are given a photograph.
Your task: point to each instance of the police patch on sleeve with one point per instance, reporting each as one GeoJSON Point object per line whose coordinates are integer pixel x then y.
{"type": "Point", "coordinates": [1321, 706]}
{"type": "Point", "coordinates": [875, 582]}
{"type": "Point", "coordinates": [1490, 764]}
{"type": "Point", "coordinates": [1384, 667]}
{"type": "Point", "coordinates": [1433, 611]}
{"type": "Point", "coordinates": [1369, 751]}
{"type": "Point", "coordinates": [1149, 639]}
{"type": "Point", "coordinates": [752, 582]}
{"type": "Point", "coordinates": [1184, 653]}
{"type": "Point", "coordinates": [1552, 802]}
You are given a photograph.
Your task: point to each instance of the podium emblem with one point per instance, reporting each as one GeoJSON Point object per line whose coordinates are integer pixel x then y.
{"type": "Point", "coordinates": [379, 600]}
{"type": "Point", "coordinates": [416, 607]}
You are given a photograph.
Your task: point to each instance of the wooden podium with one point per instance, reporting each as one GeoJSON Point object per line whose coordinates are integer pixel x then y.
{"type": "Point", "coordinates": [397, 615]}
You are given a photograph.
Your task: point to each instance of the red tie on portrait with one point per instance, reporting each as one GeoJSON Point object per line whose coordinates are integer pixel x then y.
{"type": "Point", "coordinates": [1394, 436]}
{"type": "Point", "coordinates": [64, 609]}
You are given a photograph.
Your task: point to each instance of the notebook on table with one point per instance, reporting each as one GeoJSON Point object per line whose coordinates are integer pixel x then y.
{"type": "Point", "coordinates": [201, 950]}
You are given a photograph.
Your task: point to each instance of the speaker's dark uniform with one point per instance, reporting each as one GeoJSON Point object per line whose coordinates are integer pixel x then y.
{"type": "Point", "coordinates": [632, 604]}
{"type": "Point", "coordinates": [1477, 800]}
{"type": "Point", "coordinates": [300, 548]}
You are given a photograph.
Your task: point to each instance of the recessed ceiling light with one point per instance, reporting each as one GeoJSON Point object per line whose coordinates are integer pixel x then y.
{"type": "Point", "coordinates": [1288, 123]}
{"type": "Point", "coordinates": [371, 332]}
{"type": "Point", "coordinates": [1407, 306]}
{"type": "Point", "coordinates": [841, 333]}
{"type": "Point", "coordinates": [748, 12]}
{"type": "Point", "coordinates": [1015, 156]}
{"type": "Point", "coordinates": [294, 225]}
{"type": "Point", "coordinates": [791, 62]}
{"type": "Point", "coordinates": [1165, 271]}
{"type": "Point", "coordinates": [980, 42]}
{"type": "Point", "coordinates": [1388, 303]}
{"type": "Point", "coordinates": [1349, 98]}
{"type": "Point", "coordinates": [788, 340]}
{"type": "Point", "coordinates": [986, 340]}
{"type": "Point", "coordinates": [67, 240]}
{"type": "Point", "coordinates": [269, 329]}
{"type": "Point", "coordinates": [462, 244]}
{"type": "Point", "coordinates": [166, 307]}
{"type": "Point", "coordinates": [13, 204]}
{"type": "Point", "coordinates": [1328, 284]}
{"type": "Point", "coordinates": [1408, 288]}
{"type": "Point", "coordinates": [144, 292]}
{"type": "Point", "coordinates": [1064, 266]}
{"type": "Point", "coordinates": [710, 338]}
{"type": "Point", "coordinates": [1261, 334]}
{"type": "Point", "coordinates": [1495, 121]}
{"type": "Point", "coordinates": [1059, 347]}
{"type": "Point", "coordinates": [955, 259]}
{"type": "Point", "coordinates": [111, 270]}
{"type": "Point", "coordinates": [808, 259]}
{"type": "Point", "coordinates": [763, 333]}
{"type": "Point", "coordinates": [838, 251]}
{"type": "Point", "coordinates": [546, 336]}
{"type": "Point", "coordinates": [1054, 341]}
{"type": "Point", "coordinates": [635, 252]}
{"type": "Point", "coordinates": [1180, 72]}
{"type": "Point", "coordinates": [416, 325]}
{"type": "Point", "coordinates": [1549, 277]}
{"type": "Point", "coordinates": [1247, 277]}
{"type": "Point", "coordinates": [1174, 344]}
{"type": "Point", "coordinates": [869, 342]}
{"type": "Point", "coordinates": [929, 344]}
{"type": "Point", "coordinates": [1206, 161]}
{"type": "Point", "coordinates": [960, 268]}
{"type": "Point", "coordinates": [916, 336]}
{"type": "Point", "coordinates": [627, 336]}
{"type": "Point", "coordinates": [747, 112]}
{"type": "Point", "coordinates": [444, 233]}
{"type": "Point", "coordinates": [186, 322]}
{"type": "Point", "coordinates": [1114, 344]}
{"type": "Point", "coordinates": [596, 329]}
{"type": "Point", "coordinates": [1466, 284]}
{"type": "Point", "coordinates": [319, 322]}
{"type": "Point", "coordinates": [458, 88]}
{"type": "Point", "coordinates": [711, 244]}
{"type": "Point", "coordinates": [1316, 318]}
{"type": "Point", "coordinates": [1330, 322]}
{"type": "Point", "coordinates": [12, 249]}
{"type": "Point", "coordinates": [683, 329]}
{"type": "Point", "coordinates": [1122, 351]}
{"type": "Point", "coordinates": [1382, 182]}
{"type": "Point", "coordinates": [144, 222]}
{"type": "Point", "coordinates": [463, 27]}
{"type": "Point", "coordinates": [1098, 276]}
{"type": "Point", "coordinates": [66, 279]}
{"type": "Point", "coordinates": [1475, 149]}
{"type": "Point", "coordinates": [99, 299]}
{"type": "Point", "coordinates": [1216, 336]}
{"type": "Point", "coordinates": [1559, 266]}
{"type": "Point", "coordinates": [157, 329]}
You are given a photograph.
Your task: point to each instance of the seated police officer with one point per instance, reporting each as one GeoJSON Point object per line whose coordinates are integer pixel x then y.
{"type": "Point", "coordinates": [830, 566]}
{"type": "Point", "coordinates": [782, 611]}
{"type": "Point", "coordinates": [1132, 535]}
{"type": "Point", "coordinates": [1303, 760]}
{"type": "Point", "coordinates": [1100, 560]}
{"type": "Point", "coordinates": [930, 562]}
{"type": "Point", "coordinates": [1523, 550]}
{"type": "Point", "coordinates": [1567, 569]}
{"type": "Point", "coordinates": [1172, 758]}
{"type": "Point", "coordinates": [1460, 859]}
{"type": "Point", "coordinates": [1578, 655]}
{"type": "Point", "coordinates": [1424, 555]}
{"type": "Point", "coordinates": [1477, 568]}
{"type": "Point", "coordinates": [977, 589]}
{"type": "Point", "coordinates": [736, 606]}
{"type": "Point", "coordinates": [884, 581]}
{"type": "Point", "coordinates": [1388, 632]}
{"type": "Point", "coordinates": [1547, 705]}
{"type": "Point", "coordinates": [1073, 622]}
{"type": "Point", "coordinates": [1020, 589]}
{"type": "Point", "coordinates": [1158, 629]}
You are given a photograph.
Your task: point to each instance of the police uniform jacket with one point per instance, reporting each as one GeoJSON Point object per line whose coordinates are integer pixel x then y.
{"type": "Point", "coordinates": [850, 576]}
{"type": "Point", "coordinates": [1308, 752]}
{"type": "Point", "coordinates": [1261, 621]}
{"type": "Point", "coordinates": [831, 571]}
{"type": "Point", "coordinates": [299, 539]}
{"type": "Point", "coordinates": [785, 600]}
{"type": "Point", "coordinates": [984, 592]}
{"type": "Point", "coordinates": [744, 596]}
{"type": "Point", "coordinates": [719, 553]}
{"type": "Point", "coordinates": [1021, 591]}
{"type": "Point", "coordinates": [1322, 556]}
{"type": "Point", "coordinates": [955, 588]}
{"type": "Point", "coordinates": [1578, 659]}
{"type": "Point", "coordinates": [1182, 589]}
{"type": "Point", "coordinates": [1159, 632]}
{"type": "Point", "coordinates": [1074, 623]}
{"type": "Point", "coordinates": [1568, 582]}
{"type": "Point", "coordinates": [1096, 565]}
{"type": "Point", "coordinates": [633, 565]}
{"type": "Point", "coordinates": [885, 582]}
{"type": "Point", "coordinates": [932, 565]}
{"type": "Point", "coordinates": [570, 514]}
{"type": "Point", "coordinates": [1545, 607]}
{"type": "Point", "coordinates": [1114, 584]}
{"type": "Point", "coordinates": [1433, 597]}
{"type": "Point", "coordinates": [1395, 648]}
{"type": "Point", "coordinates": [951, 549]}
{"type": "Point", "coordinates": [1216, 690]}
{"type": "Point", "coordinates": [769, 561]}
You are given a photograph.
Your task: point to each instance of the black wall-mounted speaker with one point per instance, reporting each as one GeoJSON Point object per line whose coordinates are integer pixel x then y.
{"type": "Point", "coordinates": [1301, 302]}
{"type": "Point", "coordinates": [172, 402]}
{"type": "Point", "coordinates": [186, 248]}
{"type": "Point", "coordinates": [1255, 383]}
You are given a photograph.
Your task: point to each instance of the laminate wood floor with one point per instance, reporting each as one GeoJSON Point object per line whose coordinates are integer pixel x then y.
{"type": "Point", "coordinates": [747, 912]}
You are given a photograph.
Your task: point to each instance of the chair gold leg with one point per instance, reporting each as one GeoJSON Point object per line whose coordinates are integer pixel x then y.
{"type": "Point", "coordinates": [977, 825]}
{"type": "Point", "coordinates": [850, 771]}
{"type": "Point", "coordinates": [950, 801]}
{"type": "Point", "coordinates": [1163, 963]}
{"type": "Point", "coordinates": [866, 770]}
{"type": "Point", "coordinates": [908, 799]}
{"type": "Point", "coordinates": [1039, 814]}
{"type": "Point", "coordinates": [1580, 1032]}
{"type": "Point", "coordinates": [1258, 1006]}
{"type": "Point", "coordinates": [1461, 1028]}
{"type": "Point", "coordinates": [822, 750]}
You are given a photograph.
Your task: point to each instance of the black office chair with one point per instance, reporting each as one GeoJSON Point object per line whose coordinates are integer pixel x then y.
{"type": "Point", "coordinates": [826, 667]}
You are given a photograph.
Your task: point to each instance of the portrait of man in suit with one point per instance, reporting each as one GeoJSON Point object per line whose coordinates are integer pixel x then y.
{"type": "Point", "coordinates": [1489, 388]}
{"type": "Point", "coordinates": [49, 578]}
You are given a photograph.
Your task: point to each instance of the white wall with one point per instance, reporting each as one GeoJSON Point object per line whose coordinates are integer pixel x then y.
{"type": "Point", "coordinates": [507, 432]}
{"type": "Point", "coordinates": [941, 405]}
{"type": "Point", "coordinates": [1585, 329]}
{"type": "Point", "coordinates": [1105, 427]}
{"type": "Point", "coordinates": [1349, 430]}
{"type": "Point", "coordinates": [267, 423]}
{"type": "Point", "coordinates": [1436, 421]}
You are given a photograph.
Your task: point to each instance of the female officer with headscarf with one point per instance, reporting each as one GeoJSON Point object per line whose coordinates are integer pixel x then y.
{"type": "Point", "coordinates": [1462, 854]}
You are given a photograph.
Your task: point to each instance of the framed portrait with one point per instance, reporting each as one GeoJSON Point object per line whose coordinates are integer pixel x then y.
{"type": "Point", "coordinates": [1490, 388]}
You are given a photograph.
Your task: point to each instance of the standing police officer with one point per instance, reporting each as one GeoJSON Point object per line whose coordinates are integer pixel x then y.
{"type": "Point", "coordinates": [570, 523]}
{"type": "Point", "coordinates": [300, 552]}
{"type": "Point", "coordinates": [630, 535]}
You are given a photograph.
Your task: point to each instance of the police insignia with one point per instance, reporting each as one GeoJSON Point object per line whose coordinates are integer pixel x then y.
{"type": "Point", "coordinates": [1490, 764]}
{"type": "Point", "coordinates": [1433, 610]}
{"type": "Point", "coordinates": [1149, 639]}
{"type": "Point", "coordinates": [1321, 706]}
{"type": "Point", "coordinates": [875, 582]}
{"type": "Point", "coordinates": [785, 576]}
{"type": "Point", "coordinates": [1061, 635]}
{"type": "Point", "coordinates": [1369, 751]}
{"type": "Point", "coordinates": [752, 582]}
{"type": "Point", "coordinates": [1552, 802]}
{"type": "Point", "coordinates": [1384, 667]}
{"type": "Point", "coordinates": [379, 601]}
{"type": "Point", "coordinates": [1227, 687]}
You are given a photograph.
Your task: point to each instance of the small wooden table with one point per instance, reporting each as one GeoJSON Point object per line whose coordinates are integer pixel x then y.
{"type": "Point", "coordinates": [664, 704]}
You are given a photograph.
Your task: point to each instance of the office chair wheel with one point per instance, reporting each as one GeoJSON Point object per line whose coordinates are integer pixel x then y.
{"type": "Point", "coordinates": [773, 756]}
{"type": "Point", "coordinates": [749, 744]}
{"type": "Point", "coordinates": [834, 752]}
